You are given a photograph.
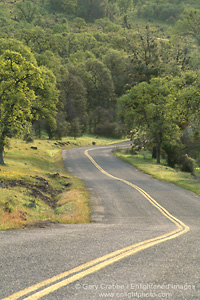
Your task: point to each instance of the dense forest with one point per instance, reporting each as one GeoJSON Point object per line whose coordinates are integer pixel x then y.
{"type": "Point", "coordinates": [106, 67]}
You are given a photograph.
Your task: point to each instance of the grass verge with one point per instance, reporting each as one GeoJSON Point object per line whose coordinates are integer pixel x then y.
{"type": "Point", "coordinates": [36, 190]}
{"type": "Point", "coordinates": [145, 163]}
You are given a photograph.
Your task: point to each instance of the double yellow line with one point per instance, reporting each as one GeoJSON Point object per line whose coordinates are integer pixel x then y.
{"type": "Point", "coordinates": [48, 286]}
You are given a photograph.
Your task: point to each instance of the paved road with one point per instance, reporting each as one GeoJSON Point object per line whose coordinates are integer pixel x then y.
{"type": "Point", "coordinates": [144, 241]}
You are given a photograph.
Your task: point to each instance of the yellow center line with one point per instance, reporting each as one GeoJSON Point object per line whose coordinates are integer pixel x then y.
{"type": "Point", "coordinates": [106, 260]}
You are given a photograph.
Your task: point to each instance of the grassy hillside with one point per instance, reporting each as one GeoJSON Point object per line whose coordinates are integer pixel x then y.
{"type": "Point", "coordinates": [144, 162]}
{"type": "Point", "coordinates": [35, 188]}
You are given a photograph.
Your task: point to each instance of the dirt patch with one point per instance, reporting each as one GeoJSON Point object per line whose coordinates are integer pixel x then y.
{"type": "Point", "coordinates": [40, 188]}
{"type": "Point", "coordinates": [61, 144]}
{"type": "Point", "coordinates": [42, 224]}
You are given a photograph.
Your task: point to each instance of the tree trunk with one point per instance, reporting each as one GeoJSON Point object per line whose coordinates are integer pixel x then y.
{"type": "Point", "coordinates": [1, 154]}
{"type": "Point", "coordinates": [158, 150]}
{"type": "Point", "coordinates": [154, 152]}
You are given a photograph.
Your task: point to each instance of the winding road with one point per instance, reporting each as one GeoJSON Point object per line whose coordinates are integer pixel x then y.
{"type": "Point", "coordinates": [143, 243]}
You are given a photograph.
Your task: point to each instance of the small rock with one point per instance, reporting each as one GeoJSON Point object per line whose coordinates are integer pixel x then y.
{"type": "Point", "coordinates": [55, 175]}
{"type": "Point", "coordinates": [32, 205]}
{"type": "Point", "coordinates": [1, 185]}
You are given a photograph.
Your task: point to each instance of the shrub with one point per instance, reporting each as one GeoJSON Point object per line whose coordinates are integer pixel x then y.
{"type": "Point", "coordinates": [187, 164]}
{"type": "Point", "coordinates": [29, 137]}
{"type": "Point", "coordinates": [173, 154]}
{"type": "Point", "coordinates": [176, 156]}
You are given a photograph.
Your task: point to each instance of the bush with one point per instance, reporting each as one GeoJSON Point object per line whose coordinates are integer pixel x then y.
{"type": "Point", "coordinates": [173, 154]}
{"type": "Point", "coordinates": [187, 164]}
{"type": "Point", "coordinates": [62, 128]}
{"type": "Point", "coordinates": [176, 156]}
{"type": "Point", "coordinates": [28, 137]}
{"type": "Point", "coordinates": [75, 128]}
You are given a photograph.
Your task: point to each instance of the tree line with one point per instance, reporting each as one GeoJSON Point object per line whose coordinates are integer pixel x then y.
{"type": "Point", "coordinates": [75, 66]}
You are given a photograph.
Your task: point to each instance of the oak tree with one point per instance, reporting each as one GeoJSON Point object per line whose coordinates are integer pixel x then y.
{"type": "Point", "coordinates": [149, 107]}
{"type": "Point", "coordinates": [24, 95]}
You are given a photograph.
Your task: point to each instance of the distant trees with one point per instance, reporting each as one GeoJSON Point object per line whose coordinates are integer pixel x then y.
{"type": "Point", "coordinates": [73, 96]}
{"type": "Point", "coordinates": [168, 12]}
{"type": "Point", "coordinates": [38, 39]}
{"type": "Point", "coordinates": [98, 82]}
{"type": "Point", "coordinates": [189, 24]}
{"type": "Point", "coordinates": [145, 55]}
{"type": "Point", "coordinates": [100, 90]}
{"type": "Point", "coordinates": [90, 9]}
{"type": "Point", "coordinates": [90, 52]}
{"type": "Point", "coordinates": [27, 11]}
{"type": "Point", "coordinates": [125, 5]}
{"type": "Point", "coordinates": [116, 62]}
{"type": "Point", "coordinates": [67, 6]}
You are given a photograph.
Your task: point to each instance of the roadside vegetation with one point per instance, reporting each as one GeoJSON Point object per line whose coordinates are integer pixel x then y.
{"type": "Point", "coordinates": [143, 161]}
{"type": "Point", "coordinates": [36, 190]}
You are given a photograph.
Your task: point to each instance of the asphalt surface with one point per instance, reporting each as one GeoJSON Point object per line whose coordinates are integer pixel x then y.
{"type": "Point", "coordinates": [122, 216]}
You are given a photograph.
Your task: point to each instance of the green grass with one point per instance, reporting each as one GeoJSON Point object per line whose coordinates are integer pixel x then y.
{"type": "Point", "coordinates": [88, 140]}
{"type": "Point", "coordinates": [35, 176]}
{"type": "Point", "coordinates": [145, 163]}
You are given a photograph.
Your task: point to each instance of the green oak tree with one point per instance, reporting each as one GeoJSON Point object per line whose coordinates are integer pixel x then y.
{"type": "Point", "coordinates": [149, 107]}
{"type": "Point", "coordinates": [98, 82]}
{"type": "Point", "coordinates": [24, 96]}
{"type": "Point", "coordinates": [18, 79]}
{"type": "Point", "coordinates": [27, 10]}
{"type": "Point", "coordinates": [116, 62]}
{"type": "Point", "coordinates": [17, 46]}
{"type": "Point", "coordinates": [38, 39]}
{"type": "Point", "coordinates": [73, 95]}
{"type": "Point", "coordinates": [100, 89]}
{"type": "Point", "coordinates": [79, 23]}
{"type": "Point", "coordinates": [144, 55]}
{"type": "Point", "coordinates": [47, 99]}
